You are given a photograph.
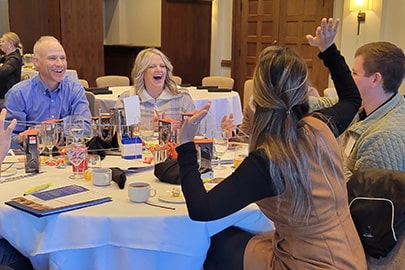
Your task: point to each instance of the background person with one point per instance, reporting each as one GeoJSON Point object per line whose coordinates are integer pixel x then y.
{"type": "Point", "coordinates": [294, 173]}
{"type": "Point", "coordinates": [9, 256]}
{"type": "Point", "coordinates": [153, 83]}
{"type": "Point", "coordinates": [49, 95]}
{"type": "Point", "coordinates": [375, 138]}
{"type": "Point", "coordinates": [10, 63]}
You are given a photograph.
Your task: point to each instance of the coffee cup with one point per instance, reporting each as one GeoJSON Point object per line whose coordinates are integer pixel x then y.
{"type": "Point", "coordinates": [101, 176]}
{"type": "Point", "coordinates": [140, 192]}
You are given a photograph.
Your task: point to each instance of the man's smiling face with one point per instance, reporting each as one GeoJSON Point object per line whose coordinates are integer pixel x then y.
{"type": "Point", "coordinates": [51, 63]}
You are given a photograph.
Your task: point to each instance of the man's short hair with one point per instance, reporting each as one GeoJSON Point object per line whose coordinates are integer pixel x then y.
{"type": "Point", "coordinates": [385, 58]}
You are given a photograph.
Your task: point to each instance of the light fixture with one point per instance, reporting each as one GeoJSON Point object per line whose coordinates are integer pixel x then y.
{"type": "Point", "coordinates": [361, 6]}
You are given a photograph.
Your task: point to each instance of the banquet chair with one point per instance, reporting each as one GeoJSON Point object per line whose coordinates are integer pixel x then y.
{"type": "Point", "coordinates": [247, 91]}
{"type": "Point", "coordinates": [112, 80]}
{"type": "Point", "coordinates": [84, 83]}
{"type": "Point", "coordinates": [177, 79]}
{"type": "Point", "coordinates": [91, 98]}
{"type": "Point", "coordinates": [220, 81]}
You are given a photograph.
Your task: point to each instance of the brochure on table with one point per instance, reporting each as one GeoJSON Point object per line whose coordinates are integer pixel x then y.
{"type": "Point", "coordinates": [58, 200]}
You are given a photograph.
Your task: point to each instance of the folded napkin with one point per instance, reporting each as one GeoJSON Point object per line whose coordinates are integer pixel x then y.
{"type": "Point", "coordinates": [168, 171]}
{"type": "Point", "coordinates": [206, 86]}
{"type": "Point", "coordinates": [119, 177]}
{"type": "Point", "coordinates": [219, 90]}
{"type": "Point", "coordinates": [96, 146]}
{"type": "Point", "coordinates": [99, 90]}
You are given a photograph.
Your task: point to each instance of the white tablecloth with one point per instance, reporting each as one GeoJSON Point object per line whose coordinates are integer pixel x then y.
{"type": "Point", "coordinates": [114, 235]}
{"type": "Point", "coordinates": [222, 103]}
{"type": "Point", "coordinates": [29, 73]}
{"type": "Point", "coordinates": [106, 102]}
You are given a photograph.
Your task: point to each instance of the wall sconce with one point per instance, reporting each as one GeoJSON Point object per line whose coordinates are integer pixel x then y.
{"type": "Point", "coordinates": [361, 6]}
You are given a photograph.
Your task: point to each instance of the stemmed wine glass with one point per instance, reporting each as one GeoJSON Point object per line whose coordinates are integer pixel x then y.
{"type": "Point", "coordinates": [202, 130]}
{"type": "Point", "coordinates": [220, 144]}
{"type": "Point", "coordinates": [38, 129]}
{"type": "Point", "coordinates": [147, 128]}
{"type": "Point", "coordinates": [74, 128]}
{"type": "Point", "coordinates": [50, 136]}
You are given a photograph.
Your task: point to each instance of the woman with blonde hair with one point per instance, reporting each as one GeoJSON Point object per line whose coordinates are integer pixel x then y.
{"type": "Point", "coordinates": [10, 63]}
{"type": "Point", "coordinates": [153, 83]}
{"type": "Point", "coordinates": [294, 173]}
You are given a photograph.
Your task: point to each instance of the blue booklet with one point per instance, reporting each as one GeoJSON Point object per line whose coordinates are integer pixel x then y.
{"type": "Point", "coordinates": [58, 200]}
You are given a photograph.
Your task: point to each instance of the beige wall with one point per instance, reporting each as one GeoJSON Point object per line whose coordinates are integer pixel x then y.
{"type": "Point", "coordinates": [221, 31]}
{"type": "Point", "coordinates": [132, 22]}
{"type": "Point", "coordinates": [4, 24]}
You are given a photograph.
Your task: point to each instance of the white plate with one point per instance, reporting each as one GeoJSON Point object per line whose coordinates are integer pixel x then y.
{"type": "Point", "coordinates": [126, 164]}
{"type": "Point", "coordinates": [169, 198]}
{"type": "Point", "coordinates": [13, 159]}
{"type": "Point", "coordinates": [9, 172]}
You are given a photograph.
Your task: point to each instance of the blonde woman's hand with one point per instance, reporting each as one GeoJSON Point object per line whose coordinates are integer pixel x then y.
{"type": "Point", "coordinates": [190, 124]}
{"type": "Point", "coordinates": [324, 34]}
{"type": "Point", "coordinates": [228, 124]}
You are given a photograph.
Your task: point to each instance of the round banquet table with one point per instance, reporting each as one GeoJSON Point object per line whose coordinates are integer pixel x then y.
{"type": "Point", "coordinates": [222, 103]}
{"type": "Point", "coordinates": [117, 234]}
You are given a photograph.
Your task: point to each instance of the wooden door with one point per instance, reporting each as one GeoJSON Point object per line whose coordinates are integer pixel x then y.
{"type": "Point", "coordinates": [82, 36]}
{"type": "Point", "coordinates": [186, 38]}
{"type": "Point", "coordinates": [260, 23]}
{"type": "Point", "coordinates": [77, 24]}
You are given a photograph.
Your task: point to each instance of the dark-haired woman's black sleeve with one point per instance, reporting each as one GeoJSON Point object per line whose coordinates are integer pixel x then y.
{"type": "Point", "coordinates": [249, 183]}
{"type": "Point", "coordinates": [343, 112]}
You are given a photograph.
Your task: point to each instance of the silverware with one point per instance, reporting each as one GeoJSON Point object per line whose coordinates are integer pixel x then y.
{"type": "Point", "coordinates": [9, 166]}
{"type": "Point", "coordinates": [161, 206]}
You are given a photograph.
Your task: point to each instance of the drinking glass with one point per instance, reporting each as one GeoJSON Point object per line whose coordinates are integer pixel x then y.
{"type": "Point", "coordinates": [50, 136]}
{"type": "Point", "coordinates": [94, 161]}
{"type": "Point", "coordinates": [202, 130]}
{"type": "Point", "coordinates": [241, 152]}
{"type": "Point", "coordinates": [220, 144]}
{"type": "Point", "coordinates": [147, 128]}
{"type": "Point", "coordinates": [77, 154]}
{"type": "Point", "coordinates": [41, 145]}
{"type": "Point", "coordinates": [74, 127]}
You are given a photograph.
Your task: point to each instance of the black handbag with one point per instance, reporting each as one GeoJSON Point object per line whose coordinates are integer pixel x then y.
{"type": "Point", "coordinates": [377, 205]}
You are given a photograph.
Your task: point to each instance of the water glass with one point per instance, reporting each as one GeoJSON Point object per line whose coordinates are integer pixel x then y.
{"type": "Point", "coordinates": [220, 144]}
{"type": "Point", "coordinates": [77, 155]}
{"type": "Point", "coordinates": [241, 152]}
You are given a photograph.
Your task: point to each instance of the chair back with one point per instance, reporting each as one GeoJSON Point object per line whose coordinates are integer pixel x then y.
{"type": "Point", "coordinates": [220, 81]}
{"type": "Point", "coordinates": [84, 83]}
{"type": "Point", "coordinates": [177, 79]}
{"type": "Point", "coordinates": [91, 98]}
{"type": "Point", "coordinates": [112, 80]}
{"type": "Point", "coordinates": [247, 92]}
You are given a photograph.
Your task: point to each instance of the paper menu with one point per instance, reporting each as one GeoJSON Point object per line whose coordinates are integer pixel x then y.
{"type": "Point", "coordinates": [132, 110]}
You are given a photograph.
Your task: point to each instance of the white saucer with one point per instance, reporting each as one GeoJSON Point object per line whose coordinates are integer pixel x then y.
{"type": "Point", "coordinates": [9, 172]}
{"type": "Point", "coordinates": [169, 198]}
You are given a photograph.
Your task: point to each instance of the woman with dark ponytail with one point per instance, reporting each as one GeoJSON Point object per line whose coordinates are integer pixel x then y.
{"type": "Point", "coordinates": [294, 173]}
